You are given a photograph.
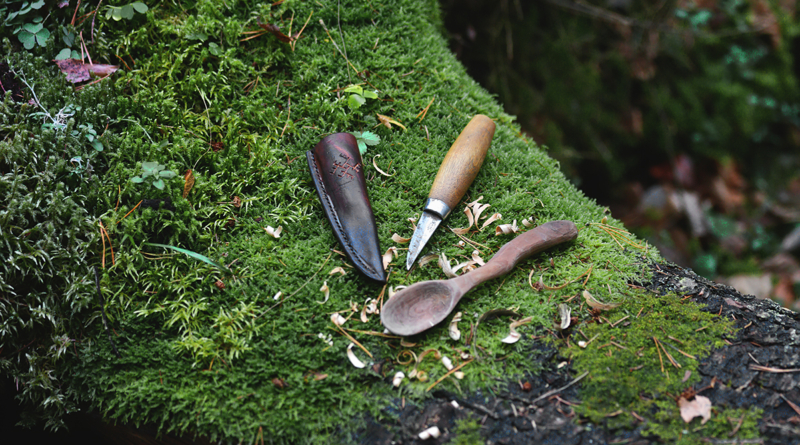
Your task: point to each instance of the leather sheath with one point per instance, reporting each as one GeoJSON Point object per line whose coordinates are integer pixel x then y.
{"type": "Point", "coordinates": [338, 174]}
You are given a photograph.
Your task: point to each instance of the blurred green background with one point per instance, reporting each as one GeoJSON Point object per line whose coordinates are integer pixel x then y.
{"type": "Point", "coordinates": [682, 116]}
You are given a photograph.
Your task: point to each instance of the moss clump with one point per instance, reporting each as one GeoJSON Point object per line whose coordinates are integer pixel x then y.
{"type": "Point", "coordinates": [630, 365]}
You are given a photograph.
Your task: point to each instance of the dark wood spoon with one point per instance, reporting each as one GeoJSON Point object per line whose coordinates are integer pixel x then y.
{"type": "Point", "coordinates": [423, 305]}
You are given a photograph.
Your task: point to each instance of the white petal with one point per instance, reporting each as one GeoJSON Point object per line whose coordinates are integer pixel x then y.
{"type": "Point", "coordinates": [352, 356]}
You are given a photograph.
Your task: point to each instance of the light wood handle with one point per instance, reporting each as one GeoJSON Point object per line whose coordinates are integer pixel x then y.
{"type": "Point", "coordinates": [462, 163]}
{"type": "Point", "coordinates": [529, 243]}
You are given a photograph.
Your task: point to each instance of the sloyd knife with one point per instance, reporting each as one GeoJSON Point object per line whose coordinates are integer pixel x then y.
{"type": "Point", "coordinates": [459, 168]}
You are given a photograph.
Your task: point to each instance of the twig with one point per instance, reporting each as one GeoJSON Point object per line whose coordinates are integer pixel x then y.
{"type": "Point", "coordinates": [350, 337]}
{"type": "Point", "coordinates": [321, 22]}
{"type": "Point", "coordinates": [556, 391]}
{"type": "Point", "coordinates": [341, 34]}
{"type": "Point", "coordinates": [131, 211]}
{"type": "Point", "coordinates": [298, 290]}
{"type": "Point", "coordinates": [776, 370]}
{"type": "Point", "coordinates": [93, 17]}
{"type": "Point", "coordinates": [103, 311]}
{"type": "Point", "coordinates": [448, 374]}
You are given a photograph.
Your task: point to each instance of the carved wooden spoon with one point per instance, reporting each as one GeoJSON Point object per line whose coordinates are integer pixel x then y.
{"type": "Point", "coordinates": [423, 305]}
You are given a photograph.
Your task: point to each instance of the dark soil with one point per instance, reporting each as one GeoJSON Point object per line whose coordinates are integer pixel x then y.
{"type": "Point", "coordinates": [767, 335]}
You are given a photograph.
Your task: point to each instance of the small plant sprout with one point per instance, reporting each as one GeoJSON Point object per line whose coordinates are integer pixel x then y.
{"type": "Point", "coordinates": [157, 174]}
{"type": "Point", "coordinates": [358, 96]}
{"type": "Point", "coordinates": [364, 139]}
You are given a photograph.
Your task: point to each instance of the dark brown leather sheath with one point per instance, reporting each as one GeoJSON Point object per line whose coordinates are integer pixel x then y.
{"type": "Point", "coordinates": [338, 173]}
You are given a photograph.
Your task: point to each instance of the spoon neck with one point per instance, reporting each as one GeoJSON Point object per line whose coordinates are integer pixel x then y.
{"type": "Point", "coordinates": [490, 270]}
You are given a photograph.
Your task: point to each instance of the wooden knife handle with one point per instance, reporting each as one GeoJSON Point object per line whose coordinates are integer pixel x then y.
{"type": "Point", "coordinates": [462, 162]}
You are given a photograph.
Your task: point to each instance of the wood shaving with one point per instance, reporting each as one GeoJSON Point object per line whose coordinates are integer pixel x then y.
{"type": "Point", "coordinates": [427, 259]}
{"type": "Point", "coordinates": [450, 271]}
{"type": "Point", "coordinates": [352, 356]}
{"type": "Point", "coordinates": [277, 296]}
{"type": "Point", "coordinates": [398, 379]}
{"type": "Point", "coordinates": [447, 362]}
{"type": "Point", "coordinates": [699, 407]}
{"type": "Point", "coordinates": [470, 218]}
{"type": "Point", "coordinates": [476, 256]}
{"type": "Point", "coordinates": [387, 257]}
{"type": "Point", "coordinates": [399, 239]}
{"type": "Point", "coordinates": [514, 336]}
{"type": "Point", "coordinates": [455, 334]}
{"type": "Point", "coordinates": [375, 164]}
{"type": "Point", "coordinates": [326, 290]}
{"type": "Point", "coordinates": [337, 319]}
{"type": "Point", "coordinates": [338, 270]}
{"type": "Point", "coordinates": [430, 432]}
{"type": "Point", "coordinates": [478, 209]}
{"type": "Point", "coordinates": [275, 233]}
{"type": "Point", "coordinates": [461, 231]}
{"type": "Point", "coordinates": [564, 312]}
{"type": "Point", "coordinates": [506, 229]}
{"type": "Point", "coordinates": [491, 219]}
{"type": "Point", "coordinates": [527, 224]}
{"type": "Point", "coordinates": [393, 291]}
{"type": "Point", "coordinates": [591, 301]}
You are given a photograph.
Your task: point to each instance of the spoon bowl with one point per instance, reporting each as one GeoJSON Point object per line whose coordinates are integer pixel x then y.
{"type": "Point", "coordinates": [423, 305]}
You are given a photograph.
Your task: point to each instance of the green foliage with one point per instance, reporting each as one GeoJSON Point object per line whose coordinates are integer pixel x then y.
{"type": "Point", "coordinates": [126, 11]}
{"type": "Point", "coordinates": [364, 139]}
{"type": "Point", "coordinates": [358, 96]}
{"type": "Point", "coordinates": [156, 173]}
{"type": "Point", "coordinates": [467, 432]}
{"type": "Point", "coordinates": [194, 255]}
{"type": "Point", "coordinates": [33, 33]}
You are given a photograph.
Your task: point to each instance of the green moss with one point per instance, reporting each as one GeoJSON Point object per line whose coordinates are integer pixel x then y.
{"type": "Point", "coordinates": [231, 363]}
{"type": "Point", "coordinates": [629, 373]}
{"type": "Point", "coordinates": [467, 432]}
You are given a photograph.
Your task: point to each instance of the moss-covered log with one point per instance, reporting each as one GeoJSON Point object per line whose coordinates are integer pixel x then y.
{"type": "Point", "coordinates": [245, 350]}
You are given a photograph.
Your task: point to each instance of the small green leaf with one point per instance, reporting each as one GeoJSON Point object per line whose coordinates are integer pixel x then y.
{"type": "Point", "coordinates": [139, 7]}
{"type": "Point", "coordinates": [97, 145]}
{"type": "Point", "coordinates": [32, 28]}
{"type": "Point", "coordinates": [27, 39]}
{"type": "Point", "coordinates": [362, 147]}
{"type": "Point", "coordinates": [370, 94]}
{"type": "Point", "coordinates": [357, 134]}
{"type": "Point", "coordinates": [42, 36]}
{"type": "Point", "coordinates": [214, 49]}
{"type": "Point", "coordinates": [354, 89]}
{"type": "Point", "coordinates": [137, 180]}
{"type": "Point", "coordinates": [127, 12]}
{"type": "Point", "coordinates": [194, 255]}
{"type": "Point", "coordinates": [37, 5]}
{"type": "Point", "coordinates": [167, 174]}
{"type": "Point", "coordinates": [159, 184]}
{"type": "Point", "coordinates": [64, 54]}
{"type": "Point", "coordinates": [371, 138]}
{"type": "Point", "coordinates": [355, 101]}
{"type": "Point", "coordinates": [151, 167]}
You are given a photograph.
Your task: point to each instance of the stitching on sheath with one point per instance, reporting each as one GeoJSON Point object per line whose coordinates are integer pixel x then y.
{"type": "Point", "coordinates": [340, 230]}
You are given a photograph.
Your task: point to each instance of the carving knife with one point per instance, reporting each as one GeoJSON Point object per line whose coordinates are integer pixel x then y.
{"type": "Point", "coordinates": [458, 170]}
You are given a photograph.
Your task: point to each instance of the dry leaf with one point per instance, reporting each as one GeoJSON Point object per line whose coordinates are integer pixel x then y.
{"type": "Point", "coordinates": [275, 31]}
{"type": "Point", "coordinates": [399, 239]}
{"type": "Point", "coordinates": [430, 432]}
{"type": "Point", "coordinates": [591, 301]}
{"type": "Point", "coordinates": [337, 319]}
{"type": "Point", "coordinates": [338, 270]}
{"type": "Point", "coordinates": [491, 219]}
{"type": "Point", "coordinates": [352, 356]}
{"type": "Point", "coordinates": [514, 336]}
{"type": "Point", "coordinates": [387, 257]}
{"type": "Point", "coordinates": [319, 376]}
{"type": "Point", "coordinates": [388, 121]}
{"type": "Point", "coordinates": [506, 229]}
{"type": "Point", "coordinates": [398, 379]}
{"type": "Point", "coordinates": [699, 407]}
{"type": "Point", "coordinates": [275, 233]}
{"type": "Point", "coordinates": [455, 334]}
{"type": "Point", "coordinates": [564, 312]}
{"type": "Point", "coordinates": [188, 182]}
{"type": "Point", "coordinates": [375, 164]}
{"type": "Point", "coordinates": [326, 290]}
{"type": "Point", "coordinates": [77, 71]}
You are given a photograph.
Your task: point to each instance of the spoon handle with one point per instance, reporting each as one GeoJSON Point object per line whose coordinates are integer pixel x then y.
{"type": "Point", "coordinates": [531, 242]}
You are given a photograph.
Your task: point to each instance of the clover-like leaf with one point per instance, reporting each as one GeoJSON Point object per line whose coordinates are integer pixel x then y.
{"type": "Point", "coordinates": [127, 12]}
{"type": "Point", "coordinates": [42, 36]}
{"type": "Point", "coordinates": [355, 101]}
{"type": "Point", "coordinates": [159, 184]}
{"type": "Point", "coordinates": [27, 39]}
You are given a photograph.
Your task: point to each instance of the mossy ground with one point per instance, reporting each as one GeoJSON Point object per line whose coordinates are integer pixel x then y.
{"type": "Point", "coordinates": [231, 363]}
